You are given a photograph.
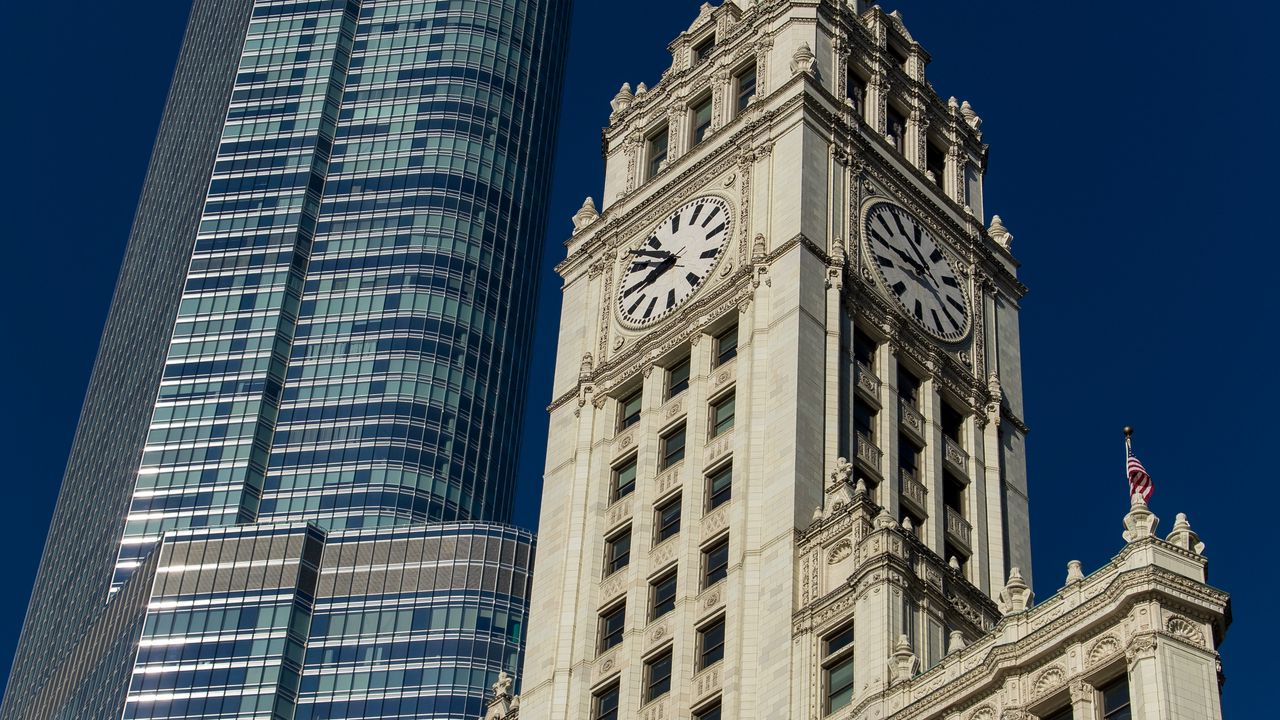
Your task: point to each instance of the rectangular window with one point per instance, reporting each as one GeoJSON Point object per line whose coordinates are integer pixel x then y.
{"type": "Point", "coordinates": [715, 563]}
{"type": "Point", "coordinates": [837, 669]}
{"type": "Point", "coordinates": [678, 378]}
{"type": "Point", "coordinates": [711, 644]}
{"type": "Point", "coordinates": [618, 552]}
{"type": "Point", "coordinates": [657, 676]}
{"type": "Point", "coordinates": [898, 55]}
{"type": "Point", "coordinates": [604, 704]}
{"type": "Point", "coordinates": [857, 91]}
{"type": "Point", "coordinates": [657, 151]}
{"type": "Point", "coordinates": [908, 388]}
{"type": "Point", "coordinates": [935, 161]}
{"type": "Point", "coordinates": [1115, 699]}
{"type": "Point", "coordinates": [711, 712]}
{"type": "Point", "coordinates": [722, 416]}
{"type": "Point", "coordinates": [952, 423]}
{"type": "Point", "coordinates": [864, 421]}
{"type": "Point", "coordinates": [726, 346]}
{"type": "Point", "coordinates": [896, 128]}
{"type": "Point", "coordinates": [701, 119]}
{"type": "Point", "coordinates": [720, 487]}
{"type": "Point", "coordinates": [624, 480]}
{"type": "Point", "coordinates": [746, 87]}
{"type": "Point", "coordinates": [908, 457]}
{"type": "Point", "coordinates": [952, 493]}
{"type": "Point", "coordinates": [672, 448]}
{"type": "Point", "coordinates": [703, 50]}
{"type": "Point", "coordinates": [663, 592]}
{"type": "Point", "coordinates": [668, 519]}
{"type": "Point", "coordinates": [864, 349]}
{"type": "Point", "coordinates": [613, 622]}
{"type": "Point", "coordinates": [629, 410]}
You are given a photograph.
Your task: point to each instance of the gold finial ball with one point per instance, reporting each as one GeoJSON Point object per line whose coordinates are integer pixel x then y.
{"type": "Point", "coordinates": [1128, 431]}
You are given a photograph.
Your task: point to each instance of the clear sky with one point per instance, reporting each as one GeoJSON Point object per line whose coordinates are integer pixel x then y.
{"type": "Point", "coordinates": [1132, 156]}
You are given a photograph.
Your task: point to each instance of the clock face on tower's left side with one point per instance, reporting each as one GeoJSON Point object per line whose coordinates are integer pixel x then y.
{"type": "Point", "coordinates": [673, 261]}
{"type": "Point", "coordinates": [916, 271]}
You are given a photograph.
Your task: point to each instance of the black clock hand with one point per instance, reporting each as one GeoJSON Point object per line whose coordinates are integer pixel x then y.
{"type": "Point", "coordinates": [907, 258]}
{"type": "Point", "coordinates": [651, 253]}
{"type": "Point", "coordinates": [666, 264]}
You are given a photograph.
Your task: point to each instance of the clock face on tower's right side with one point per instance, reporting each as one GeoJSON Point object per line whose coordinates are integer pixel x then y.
{"type": "Point", "coordinates": [916, 271]}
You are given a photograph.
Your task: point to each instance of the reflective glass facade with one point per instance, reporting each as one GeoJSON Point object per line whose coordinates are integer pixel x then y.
{"type": "Point", "coordinates": [320, 333]}
{"type": "Point", "coordinates": [352, 338]}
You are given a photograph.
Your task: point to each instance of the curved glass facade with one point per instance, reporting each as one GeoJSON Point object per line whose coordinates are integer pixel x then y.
{"type": "Point", "coordinates": [353, 335]}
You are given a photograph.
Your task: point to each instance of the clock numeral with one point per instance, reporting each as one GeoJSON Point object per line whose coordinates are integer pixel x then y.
{"type": "Point", "coordinates": [671, 298]}
{"type": "Point", "coordinates": [697, 210]}
{"type": "Point", "coordinates": [715, 231]}
{"type": "Point", "coordinates": [949, 280]}
{"type": "Point", "coordinates": [900, 288]}
{"type": "Point", "coordinates": [632, 310]}
{"type": "Point", "coordinates": [654, 242]}
{"type": "Point", "coordinates": [935, 256]}
{"type": "Point", "coordinates": [675, 223]}
{"type": "Point", "coordinates": [648, 311]}
{"type": "Point", "coordinates": [919, 311]}
{"type": "Point", "coordinates": [884, 261]}
{"type": "Point", "coordinates": [956, 304]}
{"type": "Point", "coordinates": [710, 253]}
{"type": "Point", "coordinates": [692, 279]}
{"type": "Point", "coordinates": [714, 212]}
{"type": "Point", "coordinates": [954, 324]}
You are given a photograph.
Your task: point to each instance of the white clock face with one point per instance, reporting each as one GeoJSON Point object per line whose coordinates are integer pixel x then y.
{"type": "Point", "coordinates": [673, 261]}
{"type": "Point", "coordinates": [916, 271]}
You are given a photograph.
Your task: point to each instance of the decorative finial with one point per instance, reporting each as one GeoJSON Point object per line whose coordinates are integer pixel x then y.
{"type": "Point", "coordinates": [586, 215]}
{"type": "Point", "coordinates": [955, 641]}
{"type": "Point", "coordinates": [1128, 431]}
{"type": "Point", "coordinates": [1140, 523]}
{"type": "Point", "coordinates": [999, 233]}
{"type": "Point", "coordinates": [903, 664]}
{"type": "Point", "coordinates": [1016, 595]}
{"type": "Point", "coordinates": [1075, 571]}
{"type": "Point", "coordinates": [803, 60]}
{"type": "Point", "coordinates": [623, 99]}
{"type": "Point", "coordinates": [1184, 537]}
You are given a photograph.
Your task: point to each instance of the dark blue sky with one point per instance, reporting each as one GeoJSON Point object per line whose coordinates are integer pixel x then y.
{"type": "Point", "coordinates": [1132, 156]}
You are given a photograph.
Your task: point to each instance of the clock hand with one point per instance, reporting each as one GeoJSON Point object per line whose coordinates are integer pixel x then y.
{"type": "Point", "coordinates": [907, 258]}
{"type": "Point", "coordinates": [651, 253]}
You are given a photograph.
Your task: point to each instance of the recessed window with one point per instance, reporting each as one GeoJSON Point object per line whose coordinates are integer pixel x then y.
{"type": "Point", "coordinates": [908, 457]}
{"type": "Point", "coordinates": [657, 151]}
{"type": "Point", "coordinates": [710, 644]}
{"type": "Point", "coordinates": [896, 128]}
{"type": "Point", "coordinates": [864, 421]}
{"type": "Point", "coordinates": [952, 423]}
{"type": "Point", "coordinates": [657, 676]}
{"type": "Point", "coordinates": [856, 89]}
{"type": "Point", "coordinates": [711, 712]}
{"type": "Point", "coordinates": [663, 595]}
{"type": "Point", "coordinates": [745, 86]}
{"type": "Point", "coordinates": [722, 413]}
{"type": "Point", "coordinates": [672, 448]}
{"type": "Point", "coordinates": [837, 669]}
{"type": "Point", "coordinates": [701, 119]}
{"type": "Point", "coordinates": [667, 519]}
{"type": "Point", "coordinates": [715, 563]}
{"type": "Point", "coordinates": [935, 161]}
{"type": "Point", "coordinates": [953, 493]}
{"type": "Point", "coordinates": [898, 55]}
{"type": "Point", "coordinates": [864, 349]}
{"type": "Point", "coordinates": [629, 410]}
{"type": "Point", "coordinates": [678, 378]}
{"type": "Point", "coordinates": [1115, 699]}
{"type": "Point", "coordinates": [604, 704]}
{"type": "Point", "coordinates": [613, 623]}
{"type": "Point", "coordinates": [726, 346]}
{"type": "Point", "coordinates": [720, 487]}
{"type": "Point", "coordinates": [703, 50]}
{"type": "Point", "coordinates": [624, 480]}
{"type": "Point", "coordinates": [908, 387]}
{"type": "Point", "coordinates": [618, 552]}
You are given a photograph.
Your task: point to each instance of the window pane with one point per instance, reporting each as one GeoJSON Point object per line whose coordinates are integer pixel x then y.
{"type": "Point", "coordinates": [669, 519]}
{"type": "Point", "coordinates": [664, 596]}
{"type": "Point", "coordinates": [612, 625]}
{"type": "Point", "coordinates": [727, 346]}
{"type": "Point", "coordinates": [657, 151]}
{"type": "Point", "coordinates": [673, 448]}
{"type": "Point", "coordinates": [678, 378]}
{"type": "Point", "coordinates": [716, 561]}
{"type": "Point", "coordinates": [624, 479]}
{"type": "Point", "coordinates": [720, 488]}
{"type": "Point", "coordinates": [722, 416]}
{"type": "Point", "coordinates": [711, 644]}
{"type": "Point", "coordinates": [619, 553]}
{"type": "Point", "coordinates": [701, 120]}
{"type": "Point", "coordinates": [840, 685]}
{"type": "Point", "coordinates": [839, 641]}
{"type": "Point", "coordinates": [1115, 700]}
{"type": "Point", "coordinates": [629, 410]}
{"type": "Point", "coordinates": [746, 87]}
{"type": "Point", "coordinates": [658, 677]}
{"type": "Point", "coordinates": [605, 704]}
{"type": "Point", "coordinates": [711, 713]}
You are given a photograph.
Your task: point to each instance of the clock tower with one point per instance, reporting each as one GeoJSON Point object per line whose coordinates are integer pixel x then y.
{"type": "Point", "coordinates": [785, 468]}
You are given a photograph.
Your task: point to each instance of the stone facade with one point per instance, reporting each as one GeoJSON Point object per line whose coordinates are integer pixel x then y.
{"type": "Point", "coordinates": [877, 535]}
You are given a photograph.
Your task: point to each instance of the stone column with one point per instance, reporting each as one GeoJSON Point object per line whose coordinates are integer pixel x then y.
{"type": "Point", "coordinates": [1082, 701]}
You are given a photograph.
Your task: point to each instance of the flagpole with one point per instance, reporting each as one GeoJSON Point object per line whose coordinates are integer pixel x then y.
{"type": "Point", "coordinates": [1128, 448]}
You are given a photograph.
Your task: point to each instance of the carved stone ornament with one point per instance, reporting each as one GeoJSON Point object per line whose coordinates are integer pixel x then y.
{"type": "Point", "coordinates": [1075, 573]}
{"type": "Point", "coordinates": [1185, 629]}
{"type": "Point", "coordinates": [1000, 234]}
{"type": "Point", "coordinates": [1184, 537]}
{"type": "Point", "coordinates": [842, 550]}
{"type": "Point", "coordinates": [623, 99]}
{"type": "Point", "coordinates": [1140, 648]}
{"type": "Point", "coordinates": [955, 641]}
{"type": "Point", "coordinates": [1140, 523]}
{"type": "Point", "coordinates": [903, 664]}
{"type": "Point", "coordinates": [1101, 649]}
{"type": "Point", "coordinates": [586, 215]}
{"type": "Point", "coordinates": [1048, 680]}
{"type": "Point", "coordinates": [803, 60]}
{"type": "Point", "coordinates": [1016, 595]}
{"type": "Point", "coordinates": [970, 117]}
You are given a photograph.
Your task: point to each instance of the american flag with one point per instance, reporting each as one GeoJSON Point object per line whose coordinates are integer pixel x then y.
{"type": "Point", "coordinates": [1139, 480]}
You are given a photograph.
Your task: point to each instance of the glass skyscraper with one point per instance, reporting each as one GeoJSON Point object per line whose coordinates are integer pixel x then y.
{"type": "Point", "coordinates": [312, 376]}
